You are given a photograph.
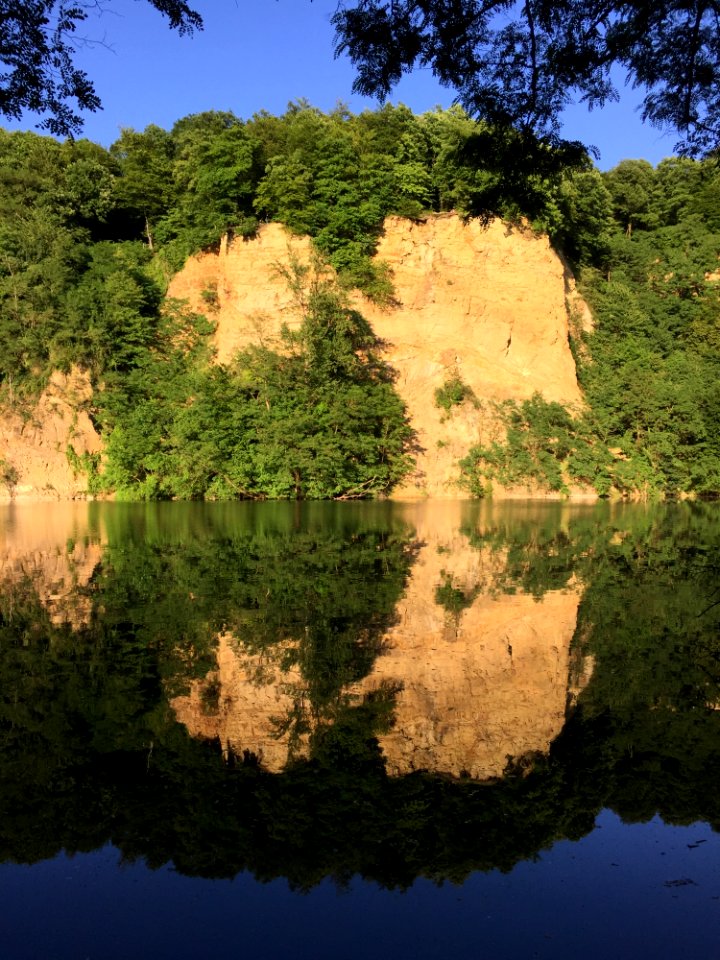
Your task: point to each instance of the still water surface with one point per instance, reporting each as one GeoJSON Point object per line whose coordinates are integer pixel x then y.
{"type": "Point", "coordinates": [359, 730]}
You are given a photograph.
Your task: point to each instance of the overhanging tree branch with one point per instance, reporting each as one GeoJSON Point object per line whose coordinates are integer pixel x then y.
{"type": "Point", "coordinates": [38, 42]}
{"type": "Point", "coordinates": [522, 64]}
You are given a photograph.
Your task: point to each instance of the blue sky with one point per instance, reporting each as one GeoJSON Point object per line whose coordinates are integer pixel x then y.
{"type": "Point", "coordinates": [259, 55]}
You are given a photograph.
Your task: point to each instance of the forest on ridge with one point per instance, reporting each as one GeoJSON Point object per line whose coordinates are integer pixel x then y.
{"type": "Point", "coordinates": [89, 238]}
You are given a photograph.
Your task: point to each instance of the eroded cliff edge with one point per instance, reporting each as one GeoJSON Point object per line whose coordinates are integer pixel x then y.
{"type": "Point", "coordinates": [484, 302]}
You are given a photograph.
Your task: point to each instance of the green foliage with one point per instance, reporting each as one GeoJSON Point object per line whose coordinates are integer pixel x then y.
{"type": "Point", "coordinates": [114, 309]}
{"type": "Point", "coordinates": [139, 406]}
{"type": "Point", "coordinates": [89, 239]}
{"type": "Point", "coordinates": [144, 193]}
{"type": "Point", "coordinates": [8, 475]}
{"type": "Point", "coordinates": [649, 369]}
{"type": "Point", "coordinates": [452, 598]}
{"type": "Point", "coordinates": [216, 168]}
{"type": "Point", "coordinates": [40, 76]}
{"type": "Point", "coordinates": [544, 447]}
{"type": "Point", "coordinates": [87, 463]}
{"type": "Point", "coordinates": [316, 419]}
{"type": "Point", "coordinates": [453, 393]}
{"type": "Point", "coordinates": [517, 68]}
{"type": "Point", "coordinates": [581, 223]}
{"type": "Point", "coordinates": [631, 185]}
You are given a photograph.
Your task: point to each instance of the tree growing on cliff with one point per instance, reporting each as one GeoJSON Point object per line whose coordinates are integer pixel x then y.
{"type": "Point", "coordinates": [326, 421]}
{"type": "Point", "coordinates": [316, 418]}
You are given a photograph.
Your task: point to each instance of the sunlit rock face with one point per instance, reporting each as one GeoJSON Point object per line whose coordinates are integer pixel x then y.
{"type": "Point", "coordinates": [485, 303]}
{"type": "Point", "coordinates": [483, 676]}
{"type": "Point", "coordinates": [53, 547]}
{"type": "Point", "coordinates": [34, 446]}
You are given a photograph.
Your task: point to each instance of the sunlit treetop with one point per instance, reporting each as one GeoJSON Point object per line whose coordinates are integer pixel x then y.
{"type": "Point", "coordinates": [512, 64]}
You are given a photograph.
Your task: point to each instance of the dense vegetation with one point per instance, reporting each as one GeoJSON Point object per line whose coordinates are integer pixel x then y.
{"type": "Point", "coordinates": [518, 65]}
{"type": "Point", "coordinates": [646, 253]}
{"type": "Point", "coordinates": [513, 66]}
{"type": "Point", "coordinates": [89, 238]}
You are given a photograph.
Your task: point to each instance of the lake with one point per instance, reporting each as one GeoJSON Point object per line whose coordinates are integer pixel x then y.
{"type": "Point", "coordinates": [359, 730]}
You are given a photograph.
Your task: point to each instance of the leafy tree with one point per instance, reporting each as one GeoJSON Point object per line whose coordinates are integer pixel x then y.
{"type": "Point", "coordinates": [85, 194]}
{"type": "Point", "coordinates": [318, 418]}
{"type": "Point", "coordinates": [457, 180]}
{"type": "Point", "coordinates": [632, 185]}
{"type": "Point", "coordinates": [144, 191]}
{"type": "Point", "coordinates": [581, 223]}
{"type": "Point", "coordinates": [113, 309]}
{"type": "Point", "coordinates": [544, 446]}
{"type": "Point", "coordinates": [39, 253]}
{"type": "Point", "coordinates": [215, 173]}
{"type": "Point", "coordinates": [327, 184]}
{"type": "Point", "coordinates": [140, 404]}
{"type": "Point", "coordinates": [328, 420]}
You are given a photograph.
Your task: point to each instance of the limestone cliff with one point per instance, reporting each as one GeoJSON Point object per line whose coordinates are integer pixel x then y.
{"type": "Point", "coordinates": [487, 303]}
{"type": "Point", "coordinates": [34, 442]}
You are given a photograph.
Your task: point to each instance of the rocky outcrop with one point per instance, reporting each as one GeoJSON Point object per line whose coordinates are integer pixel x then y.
{"type": "Point", "coordinates": [35, 440]}
{"type": "Point", "coordinates": [486, 303]}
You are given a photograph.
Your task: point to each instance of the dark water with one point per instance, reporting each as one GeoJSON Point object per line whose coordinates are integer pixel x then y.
{"type": "Point", "coordinates": [359, 730]}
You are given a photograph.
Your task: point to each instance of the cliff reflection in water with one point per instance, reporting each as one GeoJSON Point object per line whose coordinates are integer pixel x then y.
{"type": "Point", "coordinates": [445, 687]}
{"type": "Point", "coordinates": [478, 676]}
{"type": "Point", "coordinates": [53, 550]}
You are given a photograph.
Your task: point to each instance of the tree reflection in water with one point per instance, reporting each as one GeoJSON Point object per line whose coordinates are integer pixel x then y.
{"type": "Point", "coordinates": [100, 633]}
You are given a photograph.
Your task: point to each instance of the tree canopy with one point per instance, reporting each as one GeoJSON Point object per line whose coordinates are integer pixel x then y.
{"type": "Point", "coordinates": [520, 65]}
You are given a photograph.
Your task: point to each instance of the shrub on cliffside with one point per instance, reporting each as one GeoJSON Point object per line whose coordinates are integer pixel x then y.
{"type": "Point", "coordinates": [544, 447]}
{"type": "Point", "coordinates": [324, 418]}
